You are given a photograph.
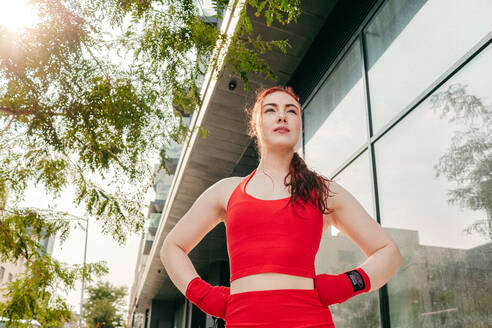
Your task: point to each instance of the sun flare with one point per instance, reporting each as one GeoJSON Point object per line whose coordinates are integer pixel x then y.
{"type": "Point", "coordinates": [16, 14]}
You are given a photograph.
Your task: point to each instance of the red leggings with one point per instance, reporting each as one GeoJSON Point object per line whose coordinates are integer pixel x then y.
{"type": "Point", "coordinates": [285, 308]}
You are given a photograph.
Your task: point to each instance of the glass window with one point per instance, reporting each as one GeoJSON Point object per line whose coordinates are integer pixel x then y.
{"type": "Point", "coordinates": [335, 119]}
{"type": "Point", "coordinates": [338, 254]}
{"type": "Point", "coordinates": [435, 182]}
{"type": "Point", "coordinates": [357, 178]}
{"type": "Point", "coordinates": [411, 43]}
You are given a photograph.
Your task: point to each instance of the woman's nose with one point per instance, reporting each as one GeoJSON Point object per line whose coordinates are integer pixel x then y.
{"type": "Point", "coordinates": [281, 115]}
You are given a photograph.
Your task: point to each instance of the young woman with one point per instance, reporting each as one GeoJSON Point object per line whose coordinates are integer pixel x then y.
{"type": "Point", "coordinates": [274, 219]}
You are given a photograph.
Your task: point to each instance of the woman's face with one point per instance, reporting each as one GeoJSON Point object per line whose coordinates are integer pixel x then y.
{"type": "Point", "coordinates": [279, 109]}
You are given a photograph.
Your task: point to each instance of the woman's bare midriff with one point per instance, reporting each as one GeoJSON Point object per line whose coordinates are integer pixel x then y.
{"type": "Point", "coordinates": [269, 281]}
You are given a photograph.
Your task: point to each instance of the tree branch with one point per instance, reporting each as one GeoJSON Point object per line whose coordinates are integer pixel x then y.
{"type": "Point", "coordinates": [7, 127]}
{"type": "Point", "coordinates": [11, 111]}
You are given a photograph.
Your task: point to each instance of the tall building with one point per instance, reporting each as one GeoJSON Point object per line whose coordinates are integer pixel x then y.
{"type": "Point", "coordinates": [397, 109]}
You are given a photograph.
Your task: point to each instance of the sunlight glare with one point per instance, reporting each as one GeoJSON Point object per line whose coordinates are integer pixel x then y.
{"type": "Point", "coordinates": [16, 14]}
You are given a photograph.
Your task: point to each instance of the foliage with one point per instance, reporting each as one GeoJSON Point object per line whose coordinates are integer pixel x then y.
{"type": "Point", "coordinates": [35, 292]}
{"type": "Point", "coordinates": [244, 52]}
{"type": "Point", "coordinates": [91, 92]}
{"type": "Point", "coordinates": [104, 306]}
{"type": "Point", "coordinates": [468, 160]}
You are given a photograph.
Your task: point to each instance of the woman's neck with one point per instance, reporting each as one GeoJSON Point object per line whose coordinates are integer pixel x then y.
{"type": "Point", "coordinates": [275, 164]}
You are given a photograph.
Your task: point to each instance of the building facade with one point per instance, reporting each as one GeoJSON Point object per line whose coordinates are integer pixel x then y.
{"type": "Point", "coordinates": [397, 109]}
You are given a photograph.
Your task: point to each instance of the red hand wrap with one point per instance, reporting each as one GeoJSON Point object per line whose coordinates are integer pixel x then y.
{"type": "Point", "coordinates": [339, 288]}
{"type": "Point", "coordinates": [210, 299]}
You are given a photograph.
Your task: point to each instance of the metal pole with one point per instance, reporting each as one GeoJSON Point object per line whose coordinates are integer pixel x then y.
{"type": "Point", "coordinates": [83, 280]}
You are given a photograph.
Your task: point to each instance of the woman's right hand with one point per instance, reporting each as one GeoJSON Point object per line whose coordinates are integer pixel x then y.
{"type": "Point", "coordinates": [210, 299]}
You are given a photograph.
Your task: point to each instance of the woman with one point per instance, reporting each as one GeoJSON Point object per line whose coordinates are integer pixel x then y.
{"type": "Point", "coordinates": [275, 218]}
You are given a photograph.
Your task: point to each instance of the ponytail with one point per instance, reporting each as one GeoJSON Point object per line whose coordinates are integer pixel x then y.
{"type": "Point", "coordinates": [304, 181]}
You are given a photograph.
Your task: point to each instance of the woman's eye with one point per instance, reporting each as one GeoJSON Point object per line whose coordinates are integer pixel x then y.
{"type": "Point", "coordinates": [268, 109]}
{"type": "Point", "coordinates": [293, 111]}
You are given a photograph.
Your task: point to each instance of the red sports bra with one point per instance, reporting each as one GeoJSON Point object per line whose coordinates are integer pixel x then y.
{"type": "Point", "coordinates": [268, 236]}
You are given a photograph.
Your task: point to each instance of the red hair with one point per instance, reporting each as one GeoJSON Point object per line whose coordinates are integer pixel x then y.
{"type": "Point", "coordinates": [303, 180]}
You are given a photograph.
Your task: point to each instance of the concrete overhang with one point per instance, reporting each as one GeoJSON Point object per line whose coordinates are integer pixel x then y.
{"type": "Point", "coordinates": [227, 150]}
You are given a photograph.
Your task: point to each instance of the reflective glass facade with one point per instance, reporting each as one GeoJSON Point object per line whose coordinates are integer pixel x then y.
{"type": "Point", "coordinates": [403, 120]}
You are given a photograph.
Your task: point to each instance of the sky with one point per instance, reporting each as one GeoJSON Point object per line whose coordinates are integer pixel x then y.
{"type": "Point", "coordinates": [15, 14]}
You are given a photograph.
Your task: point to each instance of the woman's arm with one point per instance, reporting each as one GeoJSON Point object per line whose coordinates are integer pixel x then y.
{"type": "Point", "coordinates": [205, 213]}
{"type": "Point", "coordinates": [383, 255]}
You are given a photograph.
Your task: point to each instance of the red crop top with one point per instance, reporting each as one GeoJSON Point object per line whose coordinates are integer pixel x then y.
{"type": "Point", "coordinates": [267, 235]}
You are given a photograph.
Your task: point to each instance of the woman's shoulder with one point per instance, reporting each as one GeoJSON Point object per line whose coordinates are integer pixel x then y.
{"type": "Point", "coordinates": [337, 193]}
{"type": "Point", "coordinates": [223, 185]}
{"type": "Point", "coordinates": [227, 186]}
{"type": "Point", "coordinates": [230, 182]}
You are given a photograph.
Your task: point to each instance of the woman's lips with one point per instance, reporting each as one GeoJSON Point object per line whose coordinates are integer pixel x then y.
{"type": "Point", "coordinates": [282, 130]}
